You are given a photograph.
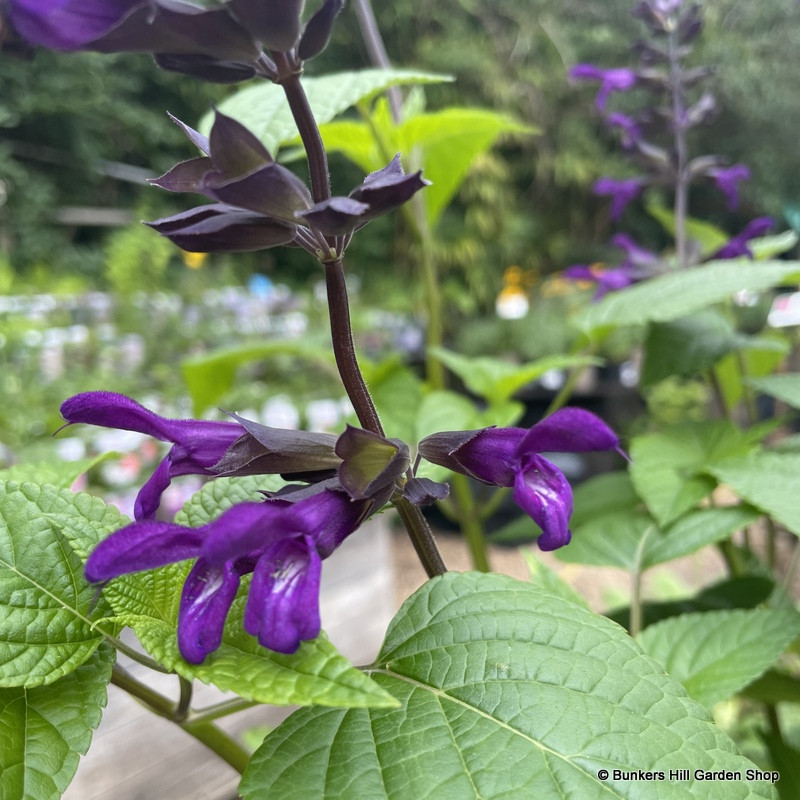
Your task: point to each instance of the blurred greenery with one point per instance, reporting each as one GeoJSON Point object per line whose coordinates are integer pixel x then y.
{"type": "Point", "coordinates": [67, 121]}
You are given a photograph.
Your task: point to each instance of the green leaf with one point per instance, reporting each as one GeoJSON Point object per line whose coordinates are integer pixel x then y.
{"type": "Point", "coordinates": [507, 691]}
{"type": "Point", "coordinates": [677, 294]}
{"type": "Point", "coordinates": [708, 236]}
{"type": "Point", "coordinates": [667, 467]}
{"type": "Point", "coordinates": [54, 472]}
{"type": "Point", "coordinates": [786, 761]}
{"type": "Point", "coordinates": [774, 687]}
{"type": "Point", "coordinates": [762, 356]}
{"type": "Point", "coordinates": [47, 728]}
{"type": "Point", "coordinates": [544, 577]}
{"type": "Point", "coordinates": [785, 388]}
{"type": "Point", "coordinates": [747, 591]}
{"type": "Point", "coordinates": [769, 481]}
{"type": "Point", "coordinates": [716, 653]}
{"type": "Point", "coordinates": [397, 393]}
{"type": "Point", "coordinates": [497, 380]}
{"type": "Point", "coordinates": [47, 607]}
{"type": "Point", "coordinates": [448, 141]}
{"type": "Point", "coordinates": [209, 376]}
{"type": "Point", "coordinates": [766, 247]}
{"type": "Point", "coordinates": [686, 346]}
{"type": "Point", "coordinates": [264, 110]}
{"type": "Point", "coordinates": [632, 539]}
{"type": "Point", "coordinates": [149, 602]}
{"type": "Point", "coordinates": [444, 144]}
{"type": "Point", "coordinates": [611, 491]}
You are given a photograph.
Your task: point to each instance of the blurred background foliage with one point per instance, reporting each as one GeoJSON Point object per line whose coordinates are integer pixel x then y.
{"type": "Point", "coordinates": [82, 131]}
{"type": "Point", "coordinates": [79, 134]}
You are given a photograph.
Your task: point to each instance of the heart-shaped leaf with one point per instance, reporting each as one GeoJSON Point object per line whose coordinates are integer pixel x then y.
{"type": "Point", "coordinates": [507, 691]}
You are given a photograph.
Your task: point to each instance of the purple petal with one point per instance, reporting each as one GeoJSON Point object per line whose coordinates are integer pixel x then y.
{"type": "Point", "coordinates": [205, 68]}
{"type": "Point", "coordinates": [276, 23]}
{"type": "Point", "coordinates": [727, 180]}
{"type": "Point", "coordinates": [66, 24]}
{"type": "Point", "coordinates": [206, 599]}
{"type": "Point", "coordinates": [640, 260]}
{"type": "Point", "coordinates": [187, 176]}
{"type": "Point", "coordinates": [491, 455]}
{"type": "Point", "coordinates": [737, 246]}
{"type": "Point", "coordinates": [569, 430]}
{"type": "Point", "coordinates": [388, 188]}
{"type": "Point", "coordinates": [334, 216]}
{"type": "Point", "coordinates": [328, 517]}
{"type": "Point", "coordinates": [198, 444]}
{"type": "Point", "coordinates": [235, 151]}
{"type": "Point", "coordinates": [271, 190]}
{"type": "Point", "coordinates": [611, 80]}
{"type": "Point", "coordinates": [149, 497]}
{"type": "Point", "coordinates": [198, 139]}
{"type": "Point", "coordinates": [622, 192]}
{"type": "Point", "coordinates": [283, 603]}
{"type": "Point", "coordinates": [142, 545]}
{"type": "Point", "coordinates": [542, 491]}
{"type": "Point", "coordinates": [318, 30]}
{"type": "Point", "coordinates": [219, 228]}
{"type": "Point", "coordinates": [244, 528]}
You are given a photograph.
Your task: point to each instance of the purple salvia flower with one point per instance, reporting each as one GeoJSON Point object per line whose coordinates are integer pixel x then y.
{"type": "Point", "coordinates": [197, 444]}
{"type": "Point", "coordinates": [67, 24]}
{"type": "Point", "coordinates": [642, 262]}
{"type": "Point", "coordinates": [281, 542]}
{"type": "Point", "coordinates": [727, 180]}
{"type": "Point", "coordinates": [620, 79]}
{"type": "Point", "coordinates": [737, 246]}
{"type": "Point", "coordinates": [511, 457]}
{"type": "Point", "coordinates": [622, 192]}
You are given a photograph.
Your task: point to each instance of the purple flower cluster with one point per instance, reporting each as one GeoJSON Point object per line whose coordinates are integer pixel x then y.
{"type": "Point", "coordinates": [282, 540]}
{"type": "Point", "coordinates": [261, 204]}
{"type": "Point", "coordinates": [673, 25]}
{"type": "Point", "coordinates": [222, 43]}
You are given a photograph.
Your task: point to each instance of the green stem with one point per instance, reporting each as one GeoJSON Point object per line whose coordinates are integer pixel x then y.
{"type": "Point", "coordinates": [470, 522]}
{"type": "Point", "coordinates": [636, 615]}
{"type": "Point", "coordinates": [209, 734]}
{"type": "Point", "coordinates": [565, 392]}
{"type": "Point", "coordinates": [223, 709]}
{"type": "Point", "coordinates": [135, 655]}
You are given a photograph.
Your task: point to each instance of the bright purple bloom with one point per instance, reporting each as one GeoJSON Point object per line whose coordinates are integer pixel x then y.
{"type": "Point", "coordinates": [67, 24]}
{"type": "Point", "coordinates": [197, 444]}
{"type": "Point", "coordinates": [622, 192]}
{"type": "Point", "coordinates": [607, 280]}
{"type": "Point", "coordinates": [512, 457]}
{"type": "Point", "coordinates": [621, 79]}
{"type": "Point", "coordinates": [737, 245]}
{"type": "Point", "coordinates": [281, 542]}
{"type": "Point", "coordinates": [727, 180]}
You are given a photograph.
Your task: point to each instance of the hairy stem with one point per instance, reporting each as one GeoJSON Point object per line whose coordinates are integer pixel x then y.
{"type": "Point", "coordinates": [344, 350]}
{"type": "Point", "coordinates": [421, 537]}
{"type": "Point", "coordinates": [209, 734]}
{"type": "Point", "coordinates": [307, 126]}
